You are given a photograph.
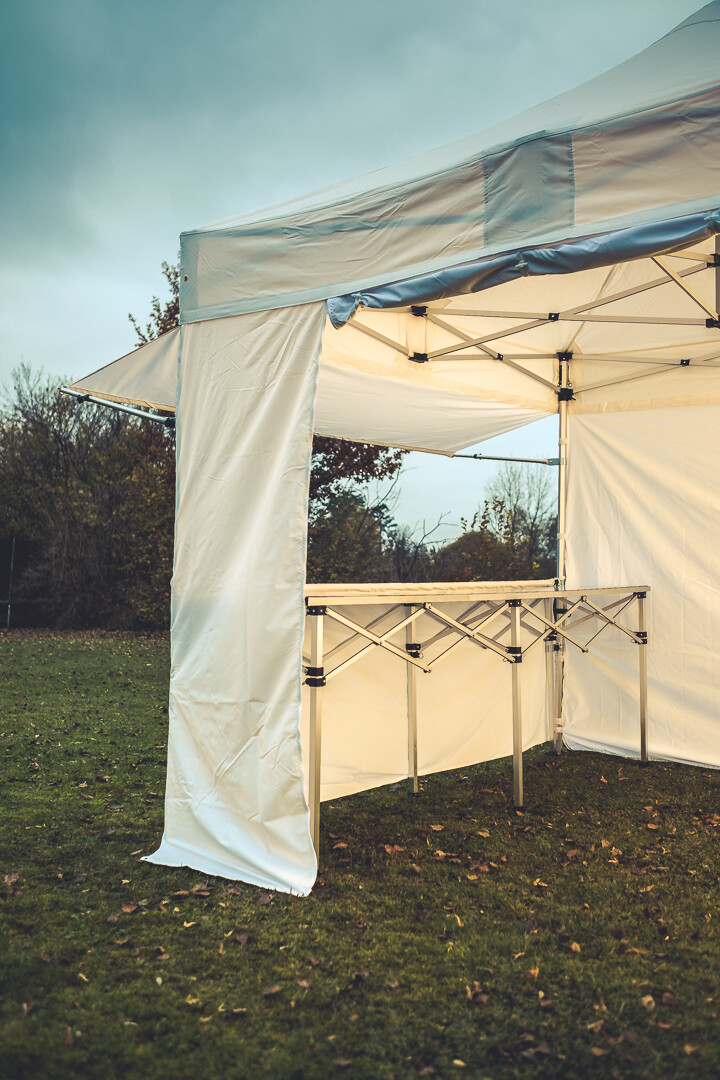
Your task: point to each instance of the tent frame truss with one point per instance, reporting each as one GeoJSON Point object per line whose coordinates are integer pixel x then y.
{"type": "Point", "coordinates": [508, 622]}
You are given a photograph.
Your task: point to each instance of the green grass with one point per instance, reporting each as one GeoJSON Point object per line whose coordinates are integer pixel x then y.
{"type": "Point", "coordinates": [444, 929]}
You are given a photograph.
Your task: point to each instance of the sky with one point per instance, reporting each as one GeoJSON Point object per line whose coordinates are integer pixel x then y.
{"type": "Point", "coordinates": [124, 124]}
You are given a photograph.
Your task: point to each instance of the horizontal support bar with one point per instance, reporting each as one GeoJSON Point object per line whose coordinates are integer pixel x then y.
{"type": "Point", "coordinates": [167, 421]}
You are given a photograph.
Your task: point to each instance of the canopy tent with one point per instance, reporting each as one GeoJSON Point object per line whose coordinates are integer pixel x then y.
{"type": "Point", "coordinates": [563, 262]}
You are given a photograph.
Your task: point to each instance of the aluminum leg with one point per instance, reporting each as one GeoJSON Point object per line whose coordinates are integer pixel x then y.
{"type": "Point", "coordinates": [516, 706]}
{"type": "Point", "coordinates": [412, 709]}
{"type": "Point", "coordinates": [642, 664]}
{"type": "Point", "coordinates": [316, 660]}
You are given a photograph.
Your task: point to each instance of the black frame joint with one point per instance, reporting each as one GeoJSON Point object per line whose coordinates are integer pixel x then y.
{"type": "Point", "coordinates": [642, 636]}
{"type": "Point", "coordinates": [317, 609]}
{"type": "Point", "coordinates": [418, 310]}
{"type": "Point", "coordinates": [514, 603]}
{"type": "Point", "coordinates": [413, 648]}
{"type": "Point", "coordinates": [685, 362]}
{"type": "Point", "coordinates": [565, 393]}
{"type": "Point", "coordinates": [553, 316]}
{"type": "Point", "coordinates": [640, 595]}
{"type": "Point", "coordinates": [514, 654]}
{"type": "Point", "coordinates": [315, 676]}
{"type": "Point", "coordinates": [712, 324]}
{"type": "Point", "coordinates": [419, 358]}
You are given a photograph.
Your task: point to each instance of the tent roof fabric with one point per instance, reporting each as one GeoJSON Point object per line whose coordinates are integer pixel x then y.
{"type": "Point", "coordinates": [625, 149]}
{"type": "Point", "coordinates": [584, 227]}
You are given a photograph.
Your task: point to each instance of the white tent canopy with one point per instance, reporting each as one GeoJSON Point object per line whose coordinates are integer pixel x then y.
{"type": "Point", "coordinates": [562, 262]}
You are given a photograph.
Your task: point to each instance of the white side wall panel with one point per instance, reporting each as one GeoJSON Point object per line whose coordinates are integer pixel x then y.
{"type": "Point", "coordinates": [644, 508]}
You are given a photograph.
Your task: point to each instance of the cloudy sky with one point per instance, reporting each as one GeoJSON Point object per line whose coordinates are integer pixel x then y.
{"type": "Point", "coordinates": [125, 123]}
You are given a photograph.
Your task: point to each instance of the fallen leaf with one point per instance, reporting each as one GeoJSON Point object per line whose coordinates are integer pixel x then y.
{"type": "Point", "coordinates": [69, 1037]}
{"type": "Point", "coordinates": [121, 941]}
{"type": "Point", "coordinates": [459, 1063]}
{"type": "Point", "coordinates": [690, 1049]}
{"type": "Point", "coordinates": [342, 1062]}
{"type": "Point", "coordinates": [11, 878]}
{"type": "Point", "coordinates": [205, 1019]}
{"type": "Point", "coordinates": [191, 1000]}
{"type": "Point", "coordinates": [415, 867]}
{"type": "Point", "coordinates": [338, 846]}
{"type": "Point", "coordinates": [187, 925]}
{"type": "Point", "coordinates": [605, 843]}
{"type": "Point", "coordinates": [596, 1051]}
{"type": "Point", "coordinates": [574, 947]}
{"type": "Point", "coordinates": [112, 919]}
{"type": "Point", "coordinates": [238, 1012]}
{"type": "Point", "coordinates": [270, 991]}
{"type": "Point", "coordinates": [483, 832]}
{"type": "Point", "coordinates": [603, 780]}
{"type": "Point", "coordinates": [305, 983]}
{"type": "Point", "coordinates": [180, 894]}
{"type": "Point", "coordinates": [221, 949]}
{"type": "Point", "coordinates": [648, 1002]}
{"type": "Point", "coordinates": [313, 961]}
{"type": "Point", "coordinates": [668, 998]}
{"type": "Point", "coordinates": [652, 825]}
{"type": "Point", "coordinates": [242, 939]}
{"type": "Point", "coordinates": [44, 957]}
{"type": "Point", "coordinates": [83, 977]}
{"type": "Point", "coordinates": [664, 1025]}
{"type": "Point", "coordinates": [596, 1026]}
{"type": "Point", "coordinates": [437, 828]}
{"type": "Point", "coordinates": [128, 907]}
{"type": "Point", "coordinates": [264, 898]}
{"type": "Point", "coordinates": [531, 973]}
{"type": "Point", "coordinates": [540, 884]}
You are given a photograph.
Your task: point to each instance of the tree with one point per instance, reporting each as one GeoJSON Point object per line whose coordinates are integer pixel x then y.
{"type": "Point", "coordinates": [527, 496]}
{"type": "Point", "coordinates": [89, 496]}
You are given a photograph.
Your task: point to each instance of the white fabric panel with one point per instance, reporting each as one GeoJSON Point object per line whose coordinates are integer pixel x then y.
{"type": "Point", "coordinates": [464, 708]}
{"type": "Point", "coordinates": [234, 803]}
{"type": "Point", "coordinates": [352, 404]}
{"type": "Point", "coordinates": [147, 376]}
{"type": "Point", "coordinates": [643, 510]}
{"type": "Point", "coordinates": [515, 184]}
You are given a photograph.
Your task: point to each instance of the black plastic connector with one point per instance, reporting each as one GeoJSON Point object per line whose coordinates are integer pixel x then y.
{"type": "Point", "coordinates": [514, 603]}
{"type": "Point", "coordinates": [685, 363]}
{"type": "Point", "coordinates": [418, 310]}
{"type": "Point", "coordinates": [712, 324]}
{"type": "Point", "coordinates": [419, 358]}
{"type": "Point", "coordinates": [553, 316]}
{"type": "Point", "coordinates": [319, 609]}
{"type": "Point", "coordinates": [514, 654]}
{"type": "Point", "coordinates": [640, 595]}
{"type": "Point", "coordinates": [642, 635]}
{"type": "Point", "coordinates": [413, 648]}
{"type": "Point", "coordinates": [315, 680]}
{"type": "Point", "coordinates": [564, 356]}
{"type": "Point", "coordinates": [169, 422]}
{"type": "Point", "coordinates": [565, 393]}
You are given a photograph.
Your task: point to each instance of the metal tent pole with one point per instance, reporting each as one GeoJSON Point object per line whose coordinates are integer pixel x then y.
{"type": "Point", "coordinates": [412, 648]}
{"type": "Point", "coordinates": [642, 665]}
{"type": "Point", "coordinates": [315, 680]}
{"type": "Point", "coordinates": [564, 395]}
{"type": "Point", "coordinates": [516, 656]}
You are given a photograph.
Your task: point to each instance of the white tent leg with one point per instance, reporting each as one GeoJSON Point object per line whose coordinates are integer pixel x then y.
{"type": "Point", "coordinates": [315, 681]}
{"type": "Point", "coordinates": [411, 705]}
{"type": "Point", "coordinates": [515, 610]}
{"type": "Point", "coordinates": [642, 664]}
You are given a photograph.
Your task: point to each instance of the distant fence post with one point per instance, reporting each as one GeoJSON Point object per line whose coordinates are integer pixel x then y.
{"type": "Point", "coordinates": [9, 595]}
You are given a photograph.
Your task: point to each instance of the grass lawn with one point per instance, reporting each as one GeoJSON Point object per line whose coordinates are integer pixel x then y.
{"type": "Point", "coordinates": [448, 935]}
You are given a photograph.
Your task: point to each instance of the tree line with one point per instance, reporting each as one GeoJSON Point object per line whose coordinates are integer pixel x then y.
{"type": "Point", "coordinates": [87, 511]}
